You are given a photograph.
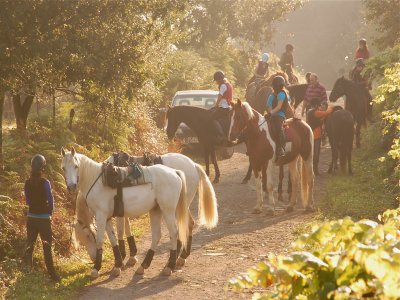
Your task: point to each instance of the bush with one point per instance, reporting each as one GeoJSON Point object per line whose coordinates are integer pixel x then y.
{"type": "Point", "coordinates": [348, 260]}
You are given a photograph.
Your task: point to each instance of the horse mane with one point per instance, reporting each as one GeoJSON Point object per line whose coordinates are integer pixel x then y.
{"type": "Point", "coordinates": [86, 169]}
{"type": "Point", "coordinates": [248, 109]}
{"type": "Point", "coordinates": [268, 81]}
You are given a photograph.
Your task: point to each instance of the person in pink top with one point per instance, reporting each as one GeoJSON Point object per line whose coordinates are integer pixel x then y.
{"type": "Point", "coordinates": [362, 50]}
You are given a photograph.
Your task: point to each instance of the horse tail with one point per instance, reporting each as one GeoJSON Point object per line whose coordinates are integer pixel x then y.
{"type": "Point", "coordinates": [182, 212]}
{"type": "Point", "coordinates": [208, 211]}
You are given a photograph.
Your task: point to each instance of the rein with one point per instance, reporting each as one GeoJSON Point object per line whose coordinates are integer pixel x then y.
{"type": "Point", "coordinates": [101, 173]}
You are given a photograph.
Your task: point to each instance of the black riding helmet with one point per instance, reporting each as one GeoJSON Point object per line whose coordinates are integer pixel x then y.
{"type": "Point", "coordinates": [219, 75]}
{"type": "Point", "coordinates": [278, 83]}
{"type": "Point", "coordinates": [38, 163]}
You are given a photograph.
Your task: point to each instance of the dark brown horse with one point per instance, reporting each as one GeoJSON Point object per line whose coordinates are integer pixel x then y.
{"type": "Point", "coordinates": [261, 150]}
{"type": "Point", "coordinates": [199, 120]}
{"type": "Point", "coordinates": [356, 102]}
{"type": "Point", "coordinates": [340, 129]}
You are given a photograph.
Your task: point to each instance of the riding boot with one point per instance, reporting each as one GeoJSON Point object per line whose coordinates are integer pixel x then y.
{"type": "Point", "coordinates": [48, 259]}
{"type": "Point", "coordinates": [280, 145]}
{"type": "Point", "coordinates": [28, 258]}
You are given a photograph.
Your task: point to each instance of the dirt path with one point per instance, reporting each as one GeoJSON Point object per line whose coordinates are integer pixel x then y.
{"type": "Point", "coordinates": [240, 240]}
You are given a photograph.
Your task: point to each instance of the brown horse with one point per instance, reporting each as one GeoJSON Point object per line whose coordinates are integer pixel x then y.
{"type": "Point", "coordinates": [261, 150]}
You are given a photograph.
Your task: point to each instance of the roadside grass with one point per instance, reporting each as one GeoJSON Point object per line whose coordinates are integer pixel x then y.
{"type": "Point", "coordinates": [75, 273]}
{"type": "Point", "coordinates": [368, 192]}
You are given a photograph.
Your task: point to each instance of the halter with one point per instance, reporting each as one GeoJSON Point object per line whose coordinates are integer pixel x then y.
{"type": "Point", "coordinates": [245, 127]}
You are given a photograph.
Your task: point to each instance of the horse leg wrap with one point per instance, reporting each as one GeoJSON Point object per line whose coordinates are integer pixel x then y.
{"type": "Point", "coordinates": [147, 260]}
{"type": "Point", "coordinates": [132, 245]}
{"type": "Point", "coordinates": [99, 258]}
{"type": "Point", "coordinates": [186, 251]}
{"type": "Point", "coordinates": [121, 246]}
{"type": "Point", "coordinates": [117, 257]}
{"type": "Point", "coordinates": [172, 260]}
{"type": "Point", "coordinates": [178, 247]}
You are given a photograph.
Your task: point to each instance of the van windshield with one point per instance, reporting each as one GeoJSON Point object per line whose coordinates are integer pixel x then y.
{"type": "Point", "coordinates": [203, 101]}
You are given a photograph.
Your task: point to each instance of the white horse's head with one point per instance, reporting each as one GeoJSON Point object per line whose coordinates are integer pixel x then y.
{"type": "Point", "coordinates": [70, 166]}
{"type": "Point", "coordinates": [86, 237]}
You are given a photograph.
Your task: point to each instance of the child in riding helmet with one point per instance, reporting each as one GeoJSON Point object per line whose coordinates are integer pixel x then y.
{"type": "Point", "coordinates": [40, 201]}
{"type": "Point", "coordinates": [261, 70]}
{"type": "Point", "coordinates": [315, 117]}
{"type": "Point", "coordinates": [362, 50]}
{"type": "Point", "coordinates": [276, 107]}
{"type": "Point", "coordinates": [224, 102]}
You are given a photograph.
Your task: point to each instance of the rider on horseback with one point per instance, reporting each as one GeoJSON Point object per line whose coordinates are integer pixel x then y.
{"type": "Point", "coordinates": [362, 80]}
{"type": "Point", "coordinates": [276, 107]}
{"type": "Point", "coordinates": [222, 106]}
{"type": "Point", "coordinates": [287, 58]}
{"type": "Point", "coordinates": [261, 70]}
{"type": "Point", "coordinates": [362, 50]}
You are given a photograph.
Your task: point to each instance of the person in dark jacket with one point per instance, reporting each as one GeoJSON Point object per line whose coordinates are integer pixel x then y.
{"type": "Point", "coordinates": [40, 201]}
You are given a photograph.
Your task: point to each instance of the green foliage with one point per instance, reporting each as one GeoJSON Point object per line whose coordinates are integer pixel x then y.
{"type": "Point", "coordinates": [247, 21]}
{"type": "Point", "coordinates": [348, 260]}
{"type": "Point", "coordinates": [384, 14]}
{"type": "Point", "coordinates": [385, 68]}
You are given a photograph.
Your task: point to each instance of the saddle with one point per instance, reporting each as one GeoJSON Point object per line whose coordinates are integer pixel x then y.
{"type": "Point", "coordinates": [122, 177]}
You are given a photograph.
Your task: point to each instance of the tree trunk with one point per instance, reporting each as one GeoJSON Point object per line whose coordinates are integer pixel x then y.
{"type": "Point", "coordinates": [1, 131]}
{"type": "Point", "coordinates": [21, 110]}
{"type": "Point", "coordinates": [54, 107]}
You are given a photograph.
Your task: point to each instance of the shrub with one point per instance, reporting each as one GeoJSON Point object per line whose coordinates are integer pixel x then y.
{"type": "Point", "coordinates": [348, 260]}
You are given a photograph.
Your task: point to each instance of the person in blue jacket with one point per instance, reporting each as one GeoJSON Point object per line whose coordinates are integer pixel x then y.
{"type": "Point", "coordinates": [40, 201]}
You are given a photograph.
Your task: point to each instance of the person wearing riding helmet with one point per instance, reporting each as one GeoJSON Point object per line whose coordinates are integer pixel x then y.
{"type": "Point", "coordinates": [287, 58]}
{"type": "Point", "coordinates": [261, 70]}
{"type": "Point", "coordinates": [362, 80]}
{"type": "Point", "coordinates": [362, 50]}
{"type": "Point", "coordinates": [40, 201]}
{"type": "Point", "coordinates": [277, 103]}
{"type": "Point", "coordinates": [221, 108]}
{"type": "Point", "coordinates": [314, 118]}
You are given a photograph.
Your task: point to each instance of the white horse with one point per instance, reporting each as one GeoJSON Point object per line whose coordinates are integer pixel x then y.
{"type": "Point", "coordinates": [196, 179]}
{"type": "Point", "coordinates": [164, 197]}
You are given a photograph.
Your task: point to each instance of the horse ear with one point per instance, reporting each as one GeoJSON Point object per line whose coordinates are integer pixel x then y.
{"type": "Point", "coordinates": [63, 151]}
{"type": "Point", "coordinates": [73, 152]}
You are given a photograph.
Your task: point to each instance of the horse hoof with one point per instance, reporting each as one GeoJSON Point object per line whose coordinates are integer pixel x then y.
{"type": "Point", "coordinates": [167, 271]}
{"type": "Point", "coordinates": [131, 261]}
{"type": "Point", "coordinates": [115, 272]}
{"type": "Point", "coordinates": [309, 209]}
{"type": "Point", "coordinates": [94, 274]}
{"type": "Point", "coordinates": [180, 262]}
{"type": "Point", "coordinates": [216, 180]}
{"type": "Point", "coordinates": [270, 212]}
{"type": "Point", "coordinates": [289, 209]}
{"type": "Point", "coordinates": [139, 271]}
{"type": "Point", "coordinates": [245, 181]}
{"type": "Point", "coordinates": [256, 211]}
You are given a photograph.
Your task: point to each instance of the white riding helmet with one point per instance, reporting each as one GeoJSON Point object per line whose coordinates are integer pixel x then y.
{"type": "Point", "coordinates": [265, 57]}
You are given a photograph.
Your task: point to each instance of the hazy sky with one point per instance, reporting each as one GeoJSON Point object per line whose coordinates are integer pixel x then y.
{"type": "Point", "coordinates": [323, 33]}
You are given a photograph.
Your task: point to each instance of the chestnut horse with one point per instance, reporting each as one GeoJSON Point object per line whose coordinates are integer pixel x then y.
{"type": "Point", "coordinates": [261, 150]}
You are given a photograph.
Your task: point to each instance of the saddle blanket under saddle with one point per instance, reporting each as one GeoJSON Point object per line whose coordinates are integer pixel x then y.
{"type": "Point", "coordinates": [121, 177]}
